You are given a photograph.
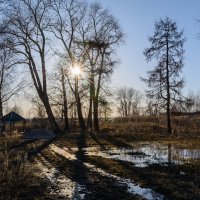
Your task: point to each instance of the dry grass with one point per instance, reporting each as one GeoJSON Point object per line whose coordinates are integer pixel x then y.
{"type": "Point", "coordinates": [17, 177]}
{"type": "Point", "coordinates": [14, 172]}
{"type": "Point", "coordinates": [152, 127]}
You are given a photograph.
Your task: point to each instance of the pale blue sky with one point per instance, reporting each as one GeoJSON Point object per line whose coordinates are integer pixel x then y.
{"type": "Point", "coordinates": [137, 19]}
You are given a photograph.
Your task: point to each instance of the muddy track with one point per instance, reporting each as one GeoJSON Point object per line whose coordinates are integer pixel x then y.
{"type": "Point", "coordinates": [94, 185]}
{"type": "Point", "coordinates": [83, 169]}
{"type": "Point", "coordinates": [97, 183]}
{"type": "Point", "coordinates": [104, 177]}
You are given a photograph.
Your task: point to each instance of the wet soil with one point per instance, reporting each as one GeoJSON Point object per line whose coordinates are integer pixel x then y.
{"type": "Point", "coordinates": [99, 165]}
{"type": "Point", "coordinates": [175, 180]}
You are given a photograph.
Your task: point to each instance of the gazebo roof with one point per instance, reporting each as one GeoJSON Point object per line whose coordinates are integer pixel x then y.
{"type": "Point", "coordinates": [13, 117]}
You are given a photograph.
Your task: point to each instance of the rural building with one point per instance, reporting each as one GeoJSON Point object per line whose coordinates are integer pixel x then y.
{"type": "Point", "coordinates": [13, 121]}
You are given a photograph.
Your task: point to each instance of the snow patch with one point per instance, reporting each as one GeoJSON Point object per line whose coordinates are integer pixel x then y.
{"type": "Point", "coordinates": [65, 187]}
{"type": "Point", "coordinates": [132, 188]}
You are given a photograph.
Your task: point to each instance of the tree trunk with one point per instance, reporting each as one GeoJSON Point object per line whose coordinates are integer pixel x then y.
{"type": "Point", "coordinates": [169, 129]}
{"type": "Point", "coordinates": [126, 113]}
{"type": "Point", "coordinates": [89, 122]}
{"type": "Point", "coordinates": [65, 109]}
{"type": "Point", "coordinates": [80, 115]}
{"type": "Point", "coordinates": [52, 121]}
{"type": "Point", "coordinates": [96, 98]}
{"type": "Point", "coordinates": [1, 117]}
{"type": "Point", "coordinates": [96, 114]}
{"type": "Point", "coordinates": [79, 109]}
{"type": "Point", "coordinates": [66, 121]}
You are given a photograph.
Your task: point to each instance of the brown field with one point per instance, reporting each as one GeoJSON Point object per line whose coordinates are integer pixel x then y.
{"type": "Point", "coordinates": [20, 176]}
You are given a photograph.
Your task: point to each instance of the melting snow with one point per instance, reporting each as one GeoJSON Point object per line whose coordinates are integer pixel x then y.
{"type": "Point", "coordinates": [147, 154]}
{"type": "Point", "coordinates": [65, 187]}
{"type": "Point", "coordinates": [131, 186]}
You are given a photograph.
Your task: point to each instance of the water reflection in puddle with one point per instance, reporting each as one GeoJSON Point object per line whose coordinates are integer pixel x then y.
{"type": "Point", "coordinates": [132, 187]}
{"type": "Point", "coordinates": [145, 154]}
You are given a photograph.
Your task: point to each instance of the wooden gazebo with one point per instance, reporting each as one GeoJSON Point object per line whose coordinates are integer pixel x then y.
{"type": "Point", "coordinates": [11, 120]}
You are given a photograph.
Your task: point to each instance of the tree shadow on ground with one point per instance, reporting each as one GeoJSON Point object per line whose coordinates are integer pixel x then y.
{"type": "Point", "coordinates": [117, 141]}
{"type": "Point", "coordinates": [23, 143]}
{"type": "Point", "coordinates": [79, 167]}
{"type": "Point", "coordinates": [36, 150]}
{"type": "Point", "coordinates": [97, 187]}
{"type": "Point", "coordinates": [164, 179]}
{"type": "Point", "coordinates": [89, 183]}
{"type": "Point", "coordinates": [96, 139]}
{"type": "Point", "coordinates": [94, 185]}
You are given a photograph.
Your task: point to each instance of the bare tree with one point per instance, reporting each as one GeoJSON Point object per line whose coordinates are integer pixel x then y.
{"type": "Point", "coordinates": [9, 85]}
{"type": "Point", "coordinates": [15, 108]}
{"type": "Point", "coordinates": [100, 42]}
{"type": "Point", "coordinates": [128, 100]}
{"type": "Point", "coordinates": [105, 108]}
{"type": "Point", "coordinates": [28, 24]}
{"type": "Point", "coordinates": [68, 15]}
{"type": "Point", "coordinates": [197, 101]}
{"type": "Point", "coordinates": [89, 35]}
{"type": "Point", "coordinates": [65, 106]}
{"type": "Point", "coordinates": [152, 107]}
{"type": "Point", "coordinates": [164, 80]}
{"type": "Point", "coordinates": [38, 111]}
{"type": "Point", "coordinates": [193, 104]}
{"type": "Point", "coordinates": [38, 108]}
{"type": "Point", "coordinates": [58, 93]}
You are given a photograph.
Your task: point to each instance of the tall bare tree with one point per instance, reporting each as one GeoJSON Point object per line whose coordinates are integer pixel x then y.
{"type": "Point", "coordinates": [68, 16]}
{"type": "Point", "coordinates": [59, 96]}
{"type": "Point", "coordinates": [28, 25]}
{"type": "Point", "coordinates": [9, 86]}
{"type": "Point", "coordinates": [89, 35]}
{"type": "Point", "coordinates": [166, 46]}
{"type": "Point", "coordinates": [100, 41]}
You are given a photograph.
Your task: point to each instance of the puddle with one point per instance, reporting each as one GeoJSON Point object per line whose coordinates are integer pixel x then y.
{"type": "Point", "coordinates": [79, 192]}
{"type": "Point", "coordinates": [145, 154]}
{"type": "Point", "coordinates": [132, 187]}
{"type": "Point", "coordinates": [64, 187]}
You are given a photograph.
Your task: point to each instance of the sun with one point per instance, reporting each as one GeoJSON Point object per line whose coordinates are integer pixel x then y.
{"type": "Point", "coordinates": [76, 70]}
